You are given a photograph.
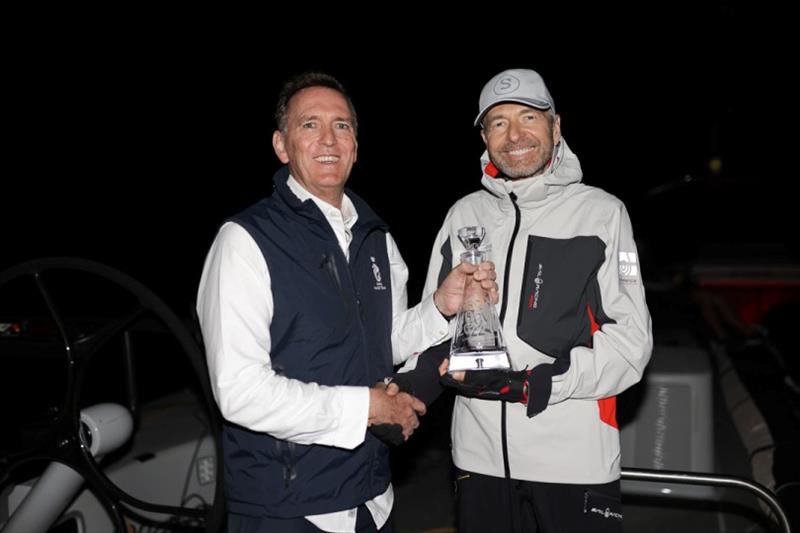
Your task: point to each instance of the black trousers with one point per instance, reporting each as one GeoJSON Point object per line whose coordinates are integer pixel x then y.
{"type": "Point", "coordinates": [238, 523]}
{"type": "Point", "coordinates": [487, 503]}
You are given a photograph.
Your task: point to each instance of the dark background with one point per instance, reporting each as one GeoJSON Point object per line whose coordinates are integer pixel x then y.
{"type": "Point", "coordinates": [129, 142]}
{"type": "Point", "coordinates": [128, 137]}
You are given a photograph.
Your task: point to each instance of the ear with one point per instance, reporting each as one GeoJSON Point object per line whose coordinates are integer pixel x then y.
{"type": "Point", "coordinates": [483, 136]}
{"type": "Point", "coordinates": [279, 145]}
{"type": "Point", "coordinates": [557, 130]}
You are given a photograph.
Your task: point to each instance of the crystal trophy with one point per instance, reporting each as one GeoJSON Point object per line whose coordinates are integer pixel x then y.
{"type": "Point", "coordinates": [478, 339]}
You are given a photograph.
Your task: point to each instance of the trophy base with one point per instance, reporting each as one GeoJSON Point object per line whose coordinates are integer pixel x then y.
{"type": "Point", "coordinates": [486, 360]}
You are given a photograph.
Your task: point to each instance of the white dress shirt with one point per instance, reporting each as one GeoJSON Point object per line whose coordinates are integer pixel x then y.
{"type": "Point", "coordinates": [235, 317]}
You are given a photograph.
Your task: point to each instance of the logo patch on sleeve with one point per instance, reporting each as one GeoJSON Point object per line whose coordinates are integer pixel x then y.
{"type": "Point", "coordinates": [628, 266]}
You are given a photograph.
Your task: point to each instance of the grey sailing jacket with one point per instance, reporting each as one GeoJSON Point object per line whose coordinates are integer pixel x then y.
{"type": "Point", "coordinates": [572, 297]}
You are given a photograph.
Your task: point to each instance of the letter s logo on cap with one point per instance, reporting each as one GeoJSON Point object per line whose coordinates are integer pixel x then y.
{"type": "Point", "coordinates": [506, 84]}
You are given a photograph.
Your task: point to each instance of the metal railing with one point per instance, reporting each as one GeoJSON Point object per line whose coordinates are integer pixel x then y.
{"type": "Point", "coordinates": [688, 478]}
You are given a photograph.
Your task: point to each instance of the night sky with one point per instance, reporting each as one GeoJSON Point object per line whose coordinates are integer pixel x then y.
{"type": "Point", "coordinates": [130, 149]}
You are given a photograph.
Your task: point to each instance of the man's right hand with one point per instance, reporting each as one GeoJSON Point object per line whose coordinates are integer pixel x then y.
{"type": "Point", "coordinates": [450, 294]}
{"type": "Point", "coordinates": [388, 406]}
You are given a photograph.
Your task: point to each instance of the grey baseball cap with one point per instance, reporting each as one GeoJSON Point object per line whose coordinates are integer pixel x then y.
{"type": "Point", "coordinates": [519, 85]}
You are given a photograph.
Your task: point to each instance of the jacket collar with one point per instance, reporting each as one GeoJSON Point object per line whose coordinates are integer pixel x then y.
{"type": "Point", "coordinates": [564, 169]}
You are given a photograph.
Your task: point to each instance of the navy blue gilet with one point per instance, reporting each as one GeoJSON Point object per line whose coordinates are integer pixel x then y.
{"type": "Point", "coordinates": [331, 325]}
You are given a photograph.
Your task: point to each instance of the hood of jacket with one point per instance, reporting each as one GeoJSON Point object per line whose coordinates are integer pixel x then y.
{"type": "Point", "coordinates": [564, 169]}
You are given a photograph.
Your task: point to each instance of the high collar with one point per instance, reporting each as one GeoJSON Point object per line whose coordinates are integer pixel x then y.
{"type": "Point", "coordinates": [564, 168]}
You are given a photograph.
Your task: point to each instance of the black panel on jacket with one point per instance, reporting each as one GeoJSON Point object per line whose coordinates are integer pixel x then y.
{"type": "Point", "coordinates": [558, 275]}
{"type": "Point", "coordinates": [447, 261]}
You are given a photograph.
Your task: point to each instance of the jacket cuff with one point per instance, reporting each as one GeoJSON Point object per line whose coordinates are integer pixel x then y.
{"type": "Point", "coordinates": [540, 384]}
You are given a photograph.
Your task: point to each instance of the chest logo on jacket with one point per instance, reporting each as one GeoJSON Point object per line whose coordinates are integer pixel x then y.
{"type": "Point", "coordinates": [376, 271]}
{"type": "Point", "coordinates": [533, 299]}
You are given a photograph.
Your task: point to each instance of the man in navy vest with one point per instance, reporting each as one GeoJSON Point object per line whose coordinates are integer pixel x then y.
{"type": "Point", "coordinates": [303, 308]}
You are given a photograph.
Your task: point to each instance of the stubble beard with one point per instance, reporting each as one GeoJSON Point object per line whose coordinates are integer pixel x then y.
{"type": "Point", "coordinates": [521, 172]}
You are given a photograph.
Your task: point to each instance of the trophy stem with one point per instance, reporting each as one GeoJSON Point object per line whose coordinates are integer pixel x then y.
{"type": "Point", "coordinates": [473, 257]}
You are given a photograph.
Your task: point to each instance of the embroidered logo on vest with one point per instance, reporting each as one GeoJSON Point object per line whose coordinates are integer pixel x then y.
{"type": "Point", "coordinates": [376, 271]}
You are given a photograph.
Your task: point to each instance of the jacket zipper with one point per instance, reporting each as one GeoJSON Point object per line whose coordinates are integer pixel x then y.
{"type": "Point", "coordinates": [503, 308]}
{"type": "Point", "coordinates": [359, 319]}
{"type": "Point", "coordinates": [286, 450]}
{"type": "Point", "coordinates": [358, 307]}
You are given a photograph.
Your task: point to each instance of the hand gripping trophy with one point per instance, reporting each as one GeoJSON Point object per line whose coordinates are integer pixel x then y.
{"type": "Point", "coordinates": [478, 339]}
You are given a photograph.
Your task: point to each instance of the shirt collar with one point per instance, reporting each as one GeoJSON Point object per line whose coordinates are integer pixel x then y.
{"type": "Point", "coordinates": [347, 213]}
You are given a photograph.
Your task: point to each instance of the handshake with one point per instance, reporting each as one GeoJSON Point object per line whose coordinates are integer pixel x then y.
{"type": "Point", "coordinates": [411, 391]}
{"type": "Point", "coordinates": [393, 415]}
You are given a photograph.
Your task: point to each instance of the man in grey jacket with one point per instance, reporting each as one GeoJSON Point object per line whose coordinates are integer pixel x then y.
{"type": "Point", "coordinates": [537, 448]}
